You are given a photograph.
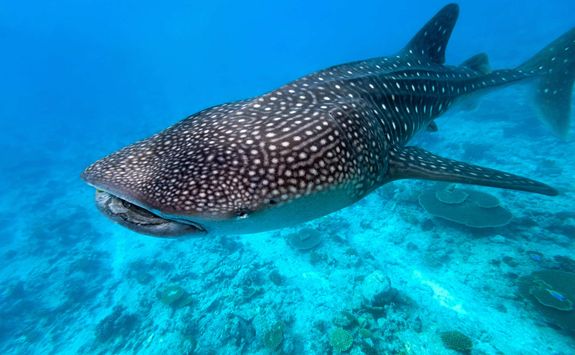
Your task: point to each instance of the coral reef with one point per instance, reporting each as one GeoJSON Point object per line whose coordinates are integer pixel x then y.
{"type": "Point", "coordinates": [464, 206]}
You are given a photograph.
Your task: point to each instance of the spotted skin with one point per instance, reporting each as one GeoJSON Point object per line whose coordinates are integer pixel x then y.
{"type": "Point", "coordinates": [312, 146]}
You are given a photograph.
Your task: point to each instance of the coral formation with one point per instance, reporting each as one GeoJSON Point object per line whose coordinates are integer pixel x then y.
{"type": "Point", "coordinates": [369, 330]}
{"type": "Point", "coordinates": [249, 293]}
{"type": "Point", "coordinates": [305, 239]}
{"type": "Point", "coordinates": [345, 319]}
{"type": "Point", "coordinates": [468, 207]}
{"type": "Point", "coordinates": [373, 286]}
{"type": "Point", "coordinates": [117, 324]}
{"type": "Point", "coordinates": [276, 278]}
{"type": "Point", "coordinates": [451, 196]}
{"type": "Point", "coordinates": [175, 296]}
{"type": "Point", "coordinates": [547, 296]}
{"type": "Point", "coordinates": [564, 263]}
{"type": "Point", "coordinates": [340, 339]}
{"type": "Point", "coordinates": [553, 293]}
{"type": "Point", "coordinates": [455, 340]}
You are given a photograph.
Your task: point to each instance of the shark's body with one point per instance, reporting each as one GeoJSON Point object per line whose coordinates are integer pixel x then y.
{"type": "Point", "coordinates": [319, 143]}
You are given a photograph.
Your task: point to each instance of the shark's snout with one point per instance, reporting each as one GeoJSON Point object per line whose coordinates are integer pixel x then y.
{"type": "Point", "coordinates": [129, 208]}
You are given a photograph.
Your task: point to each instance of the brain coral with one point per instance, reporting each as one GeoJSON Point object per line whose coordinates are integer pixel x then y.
{"type": "Point", "coordinates": [457, 341]}
{"type": "Point", "coordinates": [340, 339]}
{"type": "Point", "coordinates": [468, 207]}
{"type": "Point", "coordinates": [175, 296]}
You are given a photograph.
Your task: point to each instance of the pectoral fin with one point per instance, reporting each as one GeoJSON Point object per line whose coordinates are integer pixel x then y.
{"type": "Point", "coordinates": [417, 163]}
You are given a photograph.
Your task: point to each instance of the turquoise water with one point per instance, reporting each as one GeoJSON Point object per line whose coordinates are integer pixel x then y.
{"type": "Point", "coordinates": [81, 79]}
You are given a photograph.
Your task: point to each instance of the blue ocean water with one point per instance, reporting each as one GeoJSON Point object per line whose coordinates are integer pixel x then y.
{"type": "Point", "coordinates": [81, 79]}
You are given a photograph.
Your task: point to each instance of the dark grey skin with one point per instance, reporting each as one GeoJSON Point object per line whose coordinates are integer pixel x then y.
{"type": "Point", "coordinates": [320, 143]}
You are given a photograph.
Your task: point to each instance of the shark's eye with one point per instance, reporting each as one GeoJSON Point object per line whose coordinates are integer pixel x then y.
{"type": "Point", "coordinates": [241, 213]}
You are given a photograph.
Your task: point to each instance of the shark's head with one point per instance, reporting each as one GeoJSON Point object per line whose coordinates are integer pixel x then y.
{"type": "Point", "coordinates": [216, 173]}
{"type": "Point", "coordinates": [160, 188]}
{"type": "Point", "coordinates": [180, 181]}
{"type": "Point", "coordinates": [164, 187]}
{"type": "Point", "coordinates": [129, 191]}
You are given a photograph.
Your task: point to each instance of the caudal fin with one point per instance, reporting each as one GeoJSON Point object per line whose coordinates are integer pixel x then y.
{"type": "Point", "coordinates": [556, 66]}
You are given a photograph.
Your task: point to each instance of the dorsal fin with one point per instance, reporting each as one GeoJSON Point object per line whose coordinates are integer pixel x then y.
{"type": "Point", "coordinates": [430, 42]}
{"type": "Point", "coordinates": [479, 62]}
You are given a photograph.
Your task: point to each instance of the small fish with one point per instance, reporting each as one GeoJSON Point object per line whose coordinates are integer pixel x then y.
{"type": "Point", "coordinates": [558, 296]}
{"type": "Point", "coordinates": [535, 256]}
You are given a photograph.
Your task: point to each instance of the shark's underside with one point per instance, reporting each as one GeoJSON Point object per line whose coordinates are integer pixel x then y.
{"type": "Point", "coordinates": [319, 143]}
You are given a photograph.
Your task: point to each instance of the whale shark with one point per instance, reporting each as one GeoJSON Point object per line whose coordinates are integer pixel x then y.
{"type": "Point", "coordinates": [320, 143]}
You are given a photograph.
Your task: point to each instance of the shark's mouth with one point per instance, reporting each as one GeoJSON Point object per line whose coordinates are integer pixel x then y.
{"type": "Point", "coordinates": [141, 220]}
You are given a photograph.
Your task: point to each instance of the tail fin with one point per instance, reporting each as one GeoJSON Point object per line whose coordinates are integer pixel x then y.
{"type": "Point", "coordinates": [556, 65]}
